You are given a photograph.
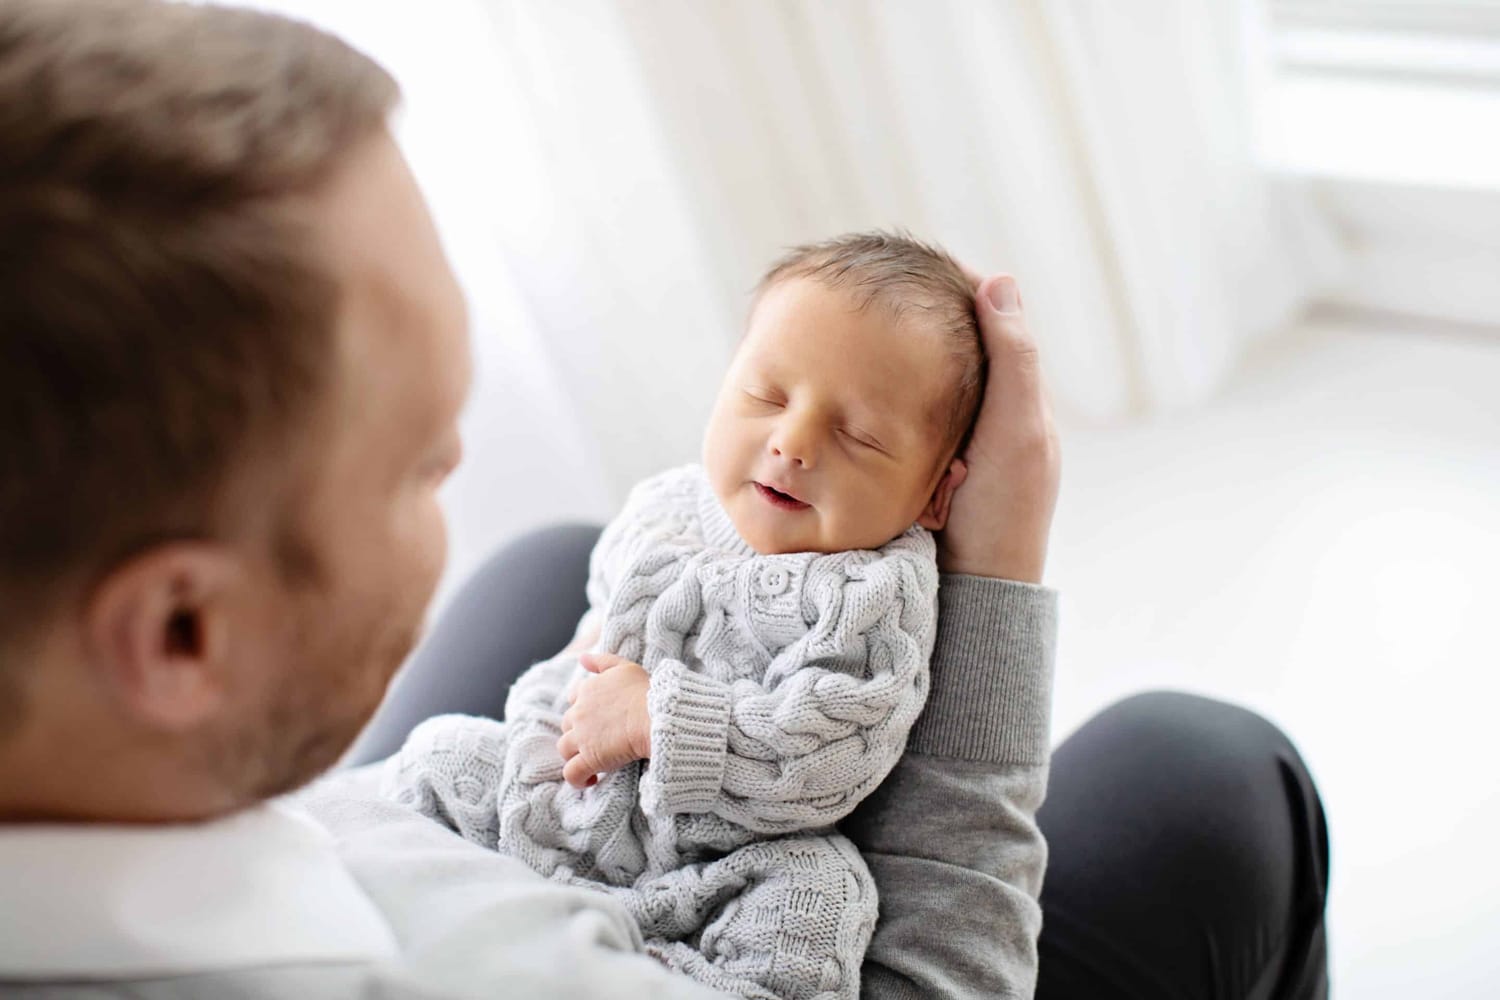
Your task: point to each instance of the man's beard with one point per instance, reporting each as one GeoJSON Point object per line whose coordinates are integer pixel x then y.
{"type": "Point", "coordinates": [318, 707]}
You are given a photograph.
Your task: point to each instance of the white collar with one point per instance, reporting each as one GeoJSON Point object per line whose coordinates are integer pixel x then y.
{"type": "Point", "coordinates": [109, 901]}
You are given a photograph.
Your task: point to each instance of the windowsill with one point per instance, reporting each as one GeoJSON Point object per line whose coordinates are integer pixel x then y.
{"type": "Point", "coordinates": [1408, 131]}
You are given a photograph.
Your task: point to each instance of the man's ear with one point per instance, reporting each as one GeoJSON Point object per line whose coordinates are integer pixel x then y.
{"type": "Point", "coordinates": [934, 516]}
{"type": "Point", "coordinates": [157, 632]}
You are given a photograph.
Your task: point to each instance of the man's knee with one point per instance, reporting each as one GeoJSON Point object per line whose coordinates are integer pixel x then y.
{"type": "Point", "coordinates": [1186, 835]}
{"type": "Point", "coordinates": [1209, 747]}
{"type": "Point", "coordinates": [1219, 786]}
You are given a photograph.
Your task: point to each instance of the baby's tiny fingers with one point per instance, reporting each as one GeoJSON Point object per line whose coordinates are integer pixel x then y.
{"type": "Point", "coordinates": [597, 663]}
{"type": "Point", "coordinates": [577, 773]}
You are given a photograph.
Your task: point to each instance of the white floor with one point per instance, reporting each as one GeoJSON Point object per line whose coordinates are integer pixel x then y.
{"type": "Point", "coordinates": [1323, 544]}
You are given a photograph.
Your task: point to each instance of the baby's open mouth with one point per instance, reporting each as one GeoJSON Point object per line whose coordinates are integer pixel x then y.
{"type": "Point", "coordinates": [778, 498]}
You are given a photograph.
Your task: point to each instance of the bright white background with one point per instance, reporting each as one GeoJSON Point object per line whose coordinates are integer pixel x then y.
{"type": "Point", "coordinates": [1258, 247]}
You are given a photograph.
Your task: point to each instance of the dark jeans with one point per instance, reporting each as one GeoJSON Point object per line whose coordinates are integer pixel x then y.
{"type": "Point", "coordinates": [1188, 855]}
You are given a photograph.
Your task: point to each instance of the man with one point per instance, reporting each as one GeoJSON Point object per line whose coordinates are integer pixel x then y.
{"type": "Point", "coordinates": [231, 359]}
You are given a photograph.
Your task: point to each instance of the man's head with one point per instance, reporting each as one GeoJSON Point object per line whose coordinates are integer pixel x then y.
{"type": "Point", "coordinates": [839, 420]}
{"type": "Point", "coordinates": [231, 359]}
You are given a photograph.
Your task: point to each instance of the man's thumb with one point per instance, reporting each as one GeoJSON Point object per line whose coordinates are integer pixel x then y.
{"type": "Point", "coordinates": [1002, 293]}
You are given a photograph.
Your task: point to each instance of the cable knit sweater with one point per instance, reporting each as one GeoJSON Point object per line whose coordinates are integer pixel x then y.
{"type": "Point", "coordinates": [782, 690]}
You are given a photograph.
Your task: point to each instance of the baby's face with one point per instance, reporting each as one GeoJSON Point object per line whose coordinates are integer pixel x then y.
{"type": "Point", "coordinates": [826, 434]}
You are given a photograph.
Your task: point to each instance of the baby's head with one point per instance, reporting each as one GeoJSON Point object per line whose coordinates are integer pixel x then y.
{"type": "Point", "coordinates": [854, 388]}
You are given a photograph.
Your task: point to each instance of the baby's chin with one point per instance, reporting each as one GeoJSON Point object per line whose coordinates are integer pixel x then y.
{"type": "Point", "coordinates": [761, 533]}
{"type": "Point", "coordinates": [767, 541]}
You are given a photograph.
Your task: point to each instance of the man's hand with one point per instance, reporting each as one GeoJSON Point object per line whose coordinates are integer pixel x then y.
{"type": "Point", "coordinates": [608, 725]}
{"type": "Point", "coordinates": [1002, 513]}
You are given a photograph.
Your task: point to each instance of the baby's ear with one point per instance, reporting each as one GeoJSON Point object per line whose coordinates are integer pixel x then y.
{"type": "Point", "coordinates": [934, 516]}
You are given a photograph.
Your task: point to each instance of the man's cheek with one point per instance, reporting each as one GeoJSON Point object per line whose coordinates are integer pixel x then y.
{"type": "Point", "coordinates": [437, 548]}
{"type": "Point", "coordinates": [420, 545]}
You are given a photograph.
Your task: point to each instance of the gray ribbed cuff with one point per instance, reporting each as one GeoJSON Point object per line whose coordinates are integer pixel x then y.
{"type": "Point", "coordinates": [689, 740]}
{"type": "Point", "coordinates": [991, 695]}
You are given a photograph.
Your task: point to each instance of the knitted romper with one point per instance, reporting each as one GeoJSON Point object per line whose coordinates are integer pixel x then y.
{"type": "Point", "coordinates": [782, 691]}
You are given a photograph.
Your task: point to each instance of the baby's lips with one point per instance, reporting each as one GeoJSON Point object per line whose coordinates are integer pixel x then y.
{"type": "Point", "coordinates": [786, 493]}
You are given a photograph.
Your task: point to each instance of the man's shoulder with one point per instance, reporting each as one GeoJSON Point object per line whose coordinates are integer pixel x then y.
{"type": "Point", "coordinates": [468, 919]}
{"type": "Point", "coordinates": [310, 981]}
{"type": "Point", "coordinates": [462, 922]}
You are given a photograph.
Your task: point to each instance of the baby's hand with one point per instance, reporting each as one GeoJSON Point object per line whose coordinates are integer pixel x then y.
{"type": "Point", "coordinates": [608, 725]}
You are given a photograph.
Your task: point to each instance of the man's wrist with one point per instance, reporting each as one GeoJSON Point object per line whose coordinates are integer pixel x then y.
{"type": "Point", "coordinates": [991, 692]}
{"type": "Point", "coordinates": [1022, 566]}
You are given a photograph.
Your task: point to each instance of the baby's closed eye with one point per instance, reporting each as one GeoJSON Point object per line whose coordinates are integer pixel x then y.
{"type": "Point", "coordinates": [763, 395]}
{"type": "Point", "coordinates": [861, 438]}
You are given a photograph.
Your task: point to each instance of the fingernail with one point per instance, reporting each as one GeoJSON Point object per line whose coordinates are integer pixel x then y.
{"type": "Point", "coordinates": [593, 780]}
{"type": "Point", "coordinates": [1005, 295]}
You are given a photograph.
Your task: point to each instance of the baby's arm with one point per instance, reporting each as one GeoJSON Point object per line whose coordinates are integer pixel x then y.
{"type": "Point", "coordinates": [802, 748]}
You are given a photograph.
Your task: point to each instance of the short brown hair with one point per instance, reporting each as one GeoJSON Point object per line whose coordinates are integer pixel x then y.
{"type": "Point", "coordinates": [899, 273]}
{"type": "Point", "coordinates": [162, 310]}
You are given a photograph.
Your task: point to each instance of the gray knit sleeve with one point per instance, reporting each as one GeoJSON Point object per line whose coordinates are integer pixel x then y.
{"type": "Point", "coordinates": [800, 747]}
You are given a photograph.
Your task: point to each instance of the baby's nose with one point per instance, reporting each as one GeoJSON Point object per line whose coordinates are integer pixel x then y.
{"type": "Point", "coordinates": [788, 455]}
{"type": "Point", "coordinates": [795, 440]}
{"type": "Point", "coordinates": [794, 448]}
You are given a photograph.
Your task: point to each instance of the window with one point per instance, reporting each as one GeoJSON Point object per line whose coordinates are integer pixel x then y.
{"type": "Point", "coordinates": [1390, 111]}
{"type": "Point", "coordinates": [1384, 90]}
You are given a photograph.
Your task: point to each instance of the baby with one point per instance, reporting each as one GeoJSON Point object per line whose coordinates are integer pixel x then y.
{"type": "Point", "coordinates": [758, 629]}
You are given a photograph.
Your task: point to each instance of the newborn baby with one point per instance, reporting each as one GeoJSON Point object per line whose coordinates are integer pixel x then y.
{"type": "Point", "coordinates": [760, 627]}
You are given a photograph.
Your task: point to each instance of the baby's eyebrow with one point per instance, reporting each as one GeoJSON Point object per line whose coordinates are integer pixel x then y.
{"type": "Point", "coordinates": [763, 367]}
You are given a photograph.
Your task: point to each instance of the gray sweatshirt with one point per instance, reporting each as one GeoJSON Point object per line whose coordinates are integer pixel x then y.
{"type": "Point", "coordinates": [949, 836]}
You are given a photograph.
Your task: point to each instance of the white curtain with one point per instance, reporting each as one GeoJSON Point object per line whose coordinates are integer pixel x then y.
{"type": "Point", "coordinates": [613, 175]}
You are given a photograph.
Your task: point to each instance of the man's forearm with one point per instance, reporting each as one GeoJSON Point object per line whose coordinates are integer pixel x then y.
{"type": "Point", "coordinates": [951, 835]}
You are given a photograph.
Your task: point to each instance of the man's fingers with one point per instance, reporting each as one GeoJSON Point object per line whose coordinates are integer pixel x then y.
{"type": "Point", "coordinates": [1015, 394]}
{"type": "Point", "coordinates": [999, 518]}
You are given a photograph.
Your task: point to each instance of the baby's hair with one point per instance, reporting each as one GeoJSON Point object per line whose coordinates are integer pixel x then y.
{"type": "Point", "coordinates": [907, 277]}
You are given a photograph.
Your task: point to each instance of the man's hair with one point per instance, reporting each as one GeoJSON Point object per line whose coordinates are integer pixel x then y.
{"type": "Point", "coordinates": [909, 279]}
{"type": "Point", "coordinates": [163, 311]}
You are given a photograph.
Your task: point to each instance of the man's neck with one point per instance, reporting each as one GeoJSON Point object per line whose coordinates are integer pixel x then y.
{"type": "Point", "coordinates": [89, 768]}
{"type": "Point", "coordinates": [63, 788]}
